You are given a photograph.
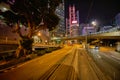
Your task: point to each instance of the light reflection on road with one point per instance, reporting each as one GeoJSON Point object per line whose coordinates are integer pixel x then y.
{"type": "Point", "coordinates": [107, 62]}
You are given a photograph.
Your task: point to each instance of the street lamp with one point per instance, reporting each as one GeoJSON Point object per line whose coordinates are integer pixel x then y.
{"type": "Point", "coordinates": [39, 34]}
{"type": "Point", "coordinates": [94, 23]}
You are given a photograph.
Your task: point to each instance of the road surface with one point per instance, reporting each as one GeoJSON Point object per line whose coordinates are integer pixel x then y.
{"type": "Point", "coordinates": [108, 61]}
{"type": "Point", "coordinates": [69, 63]}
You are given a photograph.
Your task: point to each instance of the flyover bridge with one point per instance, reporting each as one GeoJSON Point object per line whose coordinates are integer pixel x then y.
{"type": "Point", "coordinates": [106, 35]}
{"type": "Point", "coordinates": [99, 35]}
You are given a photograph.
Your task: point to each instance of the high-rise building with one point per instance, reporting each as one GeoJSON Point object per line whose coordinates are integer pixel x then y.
{"type": "Point", "coordinates": [72, 23]}
{"type": "Point", "coordinates": [61, 26]}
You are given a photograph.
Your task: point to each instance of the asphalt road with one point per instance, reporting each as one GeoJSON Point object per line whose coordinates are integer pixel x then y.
{"type": "Point", "coordinates": [69, 63]}
{"type": "Point", "coordinates": [108, 62]}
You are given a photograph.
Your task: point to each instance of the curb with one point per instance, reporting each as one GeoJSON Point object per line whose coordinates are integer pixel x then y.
{"type": "Point", "coordinates": [7, 69]}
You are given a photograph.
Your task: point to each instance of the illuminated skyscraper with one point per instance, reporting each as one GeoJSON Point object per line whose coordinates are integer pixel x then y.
{"type": "Point", "coordinates": [61, 26]}
{"type": "Point", "coordinates": [72, 23]}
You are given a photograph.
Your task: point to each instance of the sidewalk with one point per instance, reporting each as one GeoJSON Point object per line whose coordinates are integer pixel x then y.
{"type": "Point", "coordinates": [6, 65]}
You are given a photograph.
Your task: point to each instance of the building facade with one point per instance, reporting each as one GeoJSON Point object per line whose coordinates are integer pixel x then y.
{"type": "Point", "coordinates": [87, 29]}
{"type": "Point", "coordinates": [60, 30]}
{"type": "Point", "coordinates": [72, 23]}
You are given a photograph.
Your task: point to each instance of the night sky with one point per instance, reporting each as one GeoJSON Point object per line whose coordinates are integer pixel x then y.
{"type": "Point", "coordinates": [103, 11]}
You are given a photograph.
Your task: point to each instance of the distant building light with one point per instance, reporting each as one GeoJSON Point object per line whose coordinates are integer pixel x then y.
{"type": "Point", "coordinates": [4, 9]}
{"type": "Point", "coordinates": [21, 25]}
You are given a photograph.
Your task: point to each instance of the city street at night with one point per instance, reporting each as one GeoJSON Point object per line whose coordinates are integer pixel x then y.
{"type": "Point", "coordinates": [59, 40]}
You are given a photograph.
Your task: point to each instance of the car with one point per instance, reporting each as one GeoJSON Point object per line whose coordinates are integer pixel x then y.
{"type": "Point", "coordinates": [96, 47]}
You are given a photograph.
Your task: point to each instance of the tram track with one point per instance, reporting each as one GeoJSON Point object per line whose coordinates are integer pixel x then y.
{"type": "Point", "coordinates": [65, 65]}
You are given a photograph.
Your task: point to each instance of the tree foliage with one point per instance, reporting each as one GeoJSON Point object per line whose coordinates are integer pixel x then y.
{"type": "Point", "coordinates": [33, 11]}
{"type": "Point", "coordinates": [30, 13]}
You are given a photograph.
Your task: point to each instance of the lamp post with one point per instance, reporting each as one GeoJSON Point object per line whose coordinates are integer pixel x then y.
{"type": "Point", "coordinates": [94, 23]}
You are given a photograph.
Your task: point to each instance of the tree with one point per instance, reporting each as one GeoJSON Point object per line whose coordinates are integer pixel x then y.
{"type": "Point", "coordinates": [30, 13]}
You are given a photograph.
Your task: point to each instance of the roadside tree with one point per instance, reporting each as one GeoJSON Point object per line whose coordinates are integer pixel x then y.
{"type": "Point", "coordinates": [33, 14]}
